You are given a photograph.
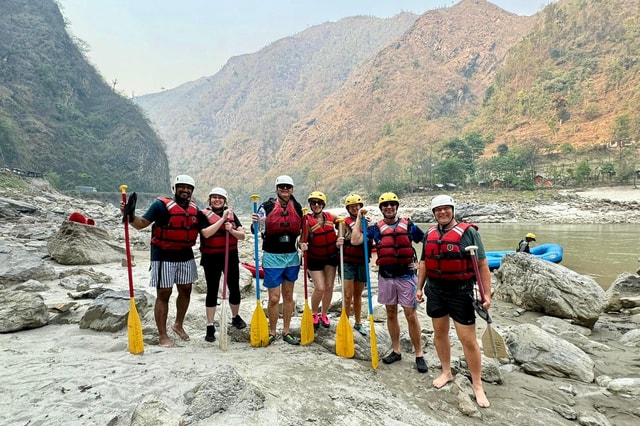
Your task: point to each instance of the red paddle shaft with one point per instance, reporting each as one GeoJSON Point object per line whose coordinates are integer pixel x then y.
{"type": "Point", "coordinates": [474, 260]}
{"type": "Point", "coordinates": [126, 239]}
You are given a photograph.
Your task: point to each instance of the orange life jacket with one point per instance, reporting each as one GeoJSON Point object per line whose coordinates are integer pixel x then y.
{"type": "Point", "coordinates": [322, 241]}
{"type": "Point", "coordinates": [217, 242]}
{"type": "Point", "coordinates": [395, 245]}
{"type": "Point", "coordinates": [445, 258]}
{"type": "Point", "coordinates": [181, 231]}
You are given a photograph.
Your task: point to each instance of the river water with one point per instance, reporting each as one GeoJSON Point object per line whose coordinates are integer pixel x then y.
{"type": "Point", "coordinates": [600, 251]}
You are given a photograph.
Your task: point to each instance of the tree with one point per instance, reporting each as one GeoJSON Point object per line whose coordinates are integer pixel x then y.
{"type": "Point", "coordinates": [450, 170]}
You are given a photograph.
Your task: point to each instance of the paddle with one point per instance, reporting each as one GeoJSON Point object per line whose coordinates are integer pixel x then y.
{"type": "Point", "coordinates": [134, 327]}
{"type": "Point", "coordinates": [372, 339]}
{"type": "Point", "coordinates": [224, 341]}
{"type": "Point", "coordinates": [492, 343]}
{"type": "Point", "coordinates": [307, 333]}
{"type": "Point", "coordinates": [259, 326]}
{"type": "Point", "coordinates": [344, 333]}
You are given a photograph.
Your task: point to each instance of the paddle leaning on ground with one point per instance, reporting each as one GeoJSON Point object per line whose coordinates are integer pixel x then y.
{"type": "Point", "coordinates": [307, 333]}
{"type": "Point", "coordinates": [134, 327]}
{"type": "Point", "coordinates": [492, 343]}
{"type": "Point", "coordinates": [344, 333]}
{"type": "Point", "coordinates": [372, 330]}
{"type": "Point", "coordinates": [259, 327]}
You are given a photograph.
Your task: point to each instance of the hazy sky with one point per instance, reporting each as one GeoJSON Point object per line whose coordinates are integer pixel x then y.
{"type": "Point", "coordinates": [151, 45]}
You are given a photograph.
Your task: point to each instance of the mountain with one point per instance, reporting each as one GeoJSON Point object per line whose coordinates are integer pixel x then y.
{"type": "Point", "coordinates": [59, 117]}
{"type": "Point", "coordinates": [227, 128]}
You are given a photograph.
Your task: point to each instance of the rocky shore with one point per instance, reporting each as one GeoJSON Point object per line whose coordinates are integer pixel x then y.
{"type": "Point", "coordinates": [573, 348]}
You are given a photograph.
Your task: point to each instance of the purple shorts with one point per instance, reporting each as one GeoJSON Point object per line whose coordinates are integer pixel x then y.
{"type": "Point", "coordinates": [398, 291]}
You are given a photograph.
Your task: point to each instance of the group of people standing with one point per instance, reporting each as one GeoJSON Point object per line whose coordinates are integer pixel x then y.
{"type": "Point", "coordinates": [443, 272]}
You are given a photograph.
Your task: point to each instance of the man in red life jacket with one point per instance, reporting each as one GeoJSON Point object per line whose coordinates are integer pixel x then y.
{"type": "Point", "coordinates": [176, 224]}
{"type": "Point", "coordinates": [447, 269]}
{"type": "Point", "coordinates": [214, 251]}
{"type": "Point", "coordinates": [280, 259]}
{"type": "Point", "coordinates": [397, 281]}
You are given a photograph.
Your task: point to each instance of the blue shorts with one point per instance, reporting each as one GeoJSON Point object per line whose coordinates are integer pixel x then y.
{"type": "Point", "coordinates": [279, 267]}
{"type": "Point", "coordinates": [398, 291]}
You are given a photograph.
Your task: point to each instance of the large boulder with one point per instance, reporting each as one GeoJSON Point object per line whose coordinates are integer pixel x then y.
{"type": "Point", "coordinates": [541, 286]}
{"type": "Point", "coordinates": [80, 244]}
{"type": "Point", "coordinates": [21, 310]}
{"type": "Point", "coordinates": [18, 266]}
{"type": "Point", "coordinates": [624, 288]}
{"type": "Point", "coordinates": [110, 310]}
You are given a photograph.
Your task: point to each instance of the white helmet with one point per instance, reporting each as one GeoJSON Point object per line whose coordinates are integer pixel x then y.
{"type": "Point", "coordinates": [284, 179]}
{"type": "Point", "coordinates": [442, 200]}
{"type": "Point", "coordinates": [218, 191]}
{"type": "Point", "coordinates": [183, 179]}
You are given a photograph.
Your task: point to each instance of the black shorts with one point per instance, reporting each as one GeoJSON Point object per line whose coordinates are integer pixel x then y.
{"type": "Point", "coordinates": [319, 264]}
{"type": "Point", "coordinates": [453, 299]}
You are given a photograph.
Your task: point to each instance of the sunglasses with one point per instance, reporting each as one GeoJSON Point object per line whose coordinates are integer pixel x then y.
{"type": "Point", "coordinates": [388, 203]}
{"type": "Point", "coordinates": [285, 186]}
{"type": "Point", "coordinates": [316, 203]}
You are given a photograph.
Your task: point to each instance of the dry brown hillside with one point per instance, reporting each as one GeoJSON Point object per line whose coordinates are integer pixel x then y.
{"type": "Point", "coordinates": [410, 95]}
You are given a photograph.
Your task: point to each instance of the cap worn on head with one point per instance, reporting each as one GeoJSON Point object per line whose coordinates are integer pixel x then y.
{"type": "Point", "coordinates": [184, 180]}
{"type": "Point", "coordinates": [388, 196]}
{"type": "Point", "coordinates": [353, 199]}
{"type": "Point", "coordinates": [218, 191]}
{"type": "Point", "coordinates": [317, 195]}
{"type": "Point", "coordinates": [442, 200]}
{"type": "Point", "coordinates": [284, 180]}
{"type": "Point", "coordinates": [530, 235]}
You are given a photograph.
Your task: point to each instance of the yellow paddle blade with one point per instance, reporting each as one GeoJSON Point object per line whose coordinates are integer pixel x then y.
{"type": "Point", "coordinates": [492, 344]}
{"type": "Point", "coordinates": [344, 337]}
{"type": "Point", "coordinates": [374, 345]}
{"type": "Point", "coordinates": [224, 341]}
{"type": "Point", "coordinates": [259, 328]}
{"type": "Point", "coordinates": [134, 330]}
{"type": "Point", "coordinates": [307, 334]}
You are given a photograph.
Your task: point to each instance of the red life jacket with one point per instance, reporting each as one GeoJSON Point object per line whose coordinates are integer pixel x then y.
{"type": "Point", "coordinates": [217, 242]}
{"type": "Point", "coordinates": [181, 230]}
{"type": "Point", "coordinates": [322, 241]}
{"type": "Point", "coordinates": [395, 245]}
{"type": "Point", "coordinates": [353, 254]}
{"type": "Point", "coordinates": [445, 258]}
{"type": "Point", "coordinates": [283, 220]}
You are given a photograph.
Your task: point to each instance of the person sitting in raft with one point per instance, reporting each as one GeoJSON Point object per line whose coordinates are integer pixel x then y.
{"type": "Point", "coordinates": [523, 245]}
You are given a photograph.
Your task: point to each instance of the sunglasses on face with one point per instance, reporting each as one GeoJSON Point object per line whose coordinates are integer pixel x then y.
{"type": "Point", "coordinates": [285, 186]}
{"type": "Point", "coordinates": [388, 203]}
{"type": "Point", "coordinates": [316, 203]}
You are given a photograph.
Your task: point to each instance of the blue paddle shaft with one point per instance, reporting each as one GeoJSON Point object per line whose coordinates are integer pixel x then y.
{"type": "Point", "coordinates": [366, 262]}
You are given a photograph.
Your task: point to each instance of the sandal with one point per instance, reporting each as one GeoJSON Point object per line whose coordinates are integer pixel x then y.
{"type": "Point", "coordinates": [360, 329]}
{"type": "Point", "coordinates": [272, 337]}
{"type": "Point", "coordinates": [291, 339]}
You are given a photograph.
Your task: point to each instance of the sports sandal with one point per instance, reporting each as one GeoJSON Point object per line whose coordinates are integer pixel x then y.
{"type": "Point", "coordinates": [360, 329]}
{"type": "Point", "coordinates": [290, 339]}
{"type": "Point", "coordinates": [391, 358]}
{"type": "Point", "coordinates": [271, 338]}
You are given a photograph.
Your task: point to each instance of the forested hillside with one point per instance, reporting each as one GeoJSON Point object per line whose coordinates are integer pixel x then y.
{"type": "Point", "coordinates": [59, 117]}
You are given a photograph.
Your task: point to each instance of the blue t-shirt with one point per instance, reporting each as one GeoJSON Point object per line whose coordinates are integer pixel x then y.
{"type": "Point", "coordinates": [415, 234]}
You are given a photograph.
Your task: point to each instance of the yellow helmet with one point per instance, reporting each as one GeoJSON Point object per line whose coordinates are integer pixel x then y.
{"type": "Point", "coordinates": [353, 199]}
{"type": "Point", "coordinates": [388, 196]}
{"type": "Point", "coordinates": [317, 195]}
{"type": "Point", "coordinates": [530, 235]}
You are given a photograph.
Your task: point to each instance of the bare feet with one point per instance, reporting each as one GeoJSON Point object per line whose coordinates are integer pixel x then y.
{"type": "Point", "coordinates": [180, 332]}
{"type": "Point", "coordinates": [481, 397]}
{"type": "Point", "coordinates": [442, 380]}
{"type": "Point", "coordinates": [166, 342]}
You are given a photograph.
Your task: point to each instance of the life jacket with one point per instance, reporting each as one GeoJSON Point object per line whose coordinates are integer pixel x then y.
{"type": "Point", "coordinates": [218, 241]}
{"type": "Point", "coordinates": [283, 220]}
{"type": "Point", "coordinates": [445, 258]}
{"type": "Point", "coordinates": [322, 241]}
{"type": "Point", "coordinates": [353, 254]}
{"type": "Point", "coordinates": [395, 246]}
{"type": "Point", "coordinates": [181, 230]}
